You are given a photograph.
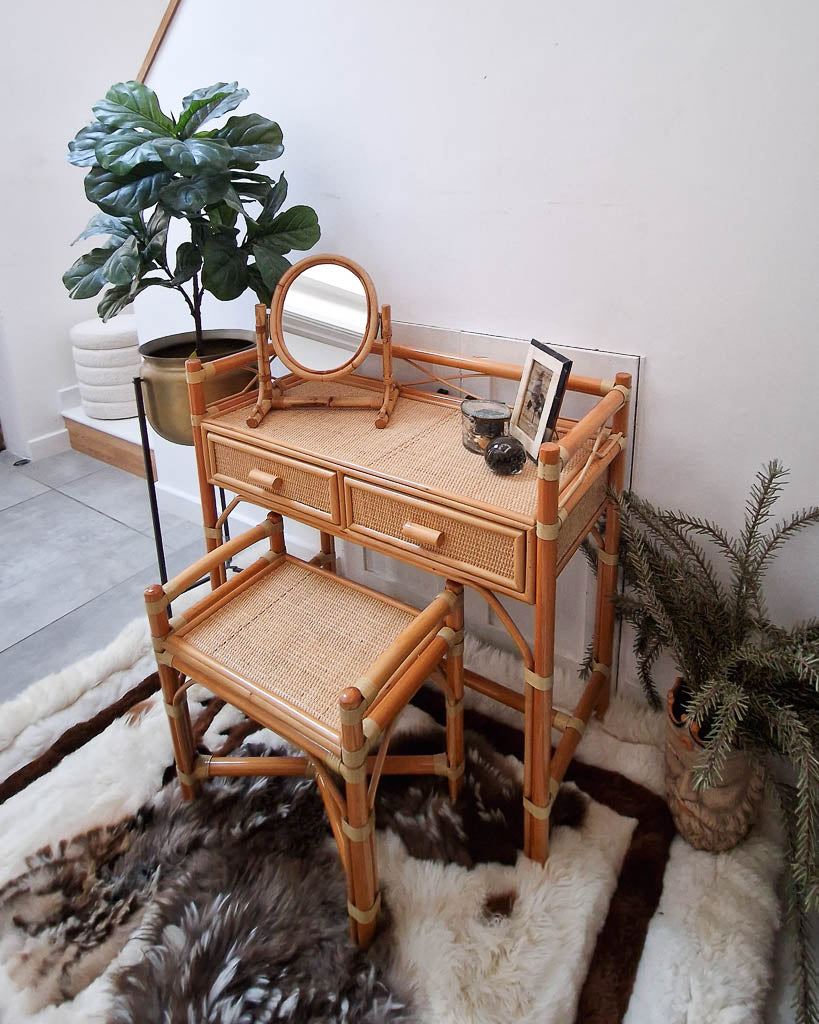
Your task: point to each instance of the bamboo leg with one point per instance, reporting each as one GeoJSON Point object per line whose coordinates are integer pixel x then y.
{"type": "Point", "coordinates": [277, 536]}
{"type": "Point", "coordinates": [454, 705]}
{"type": "Point", "coordinates": [207, 494]}
{"type": "Point", "coordinates": [328, 551]}
{"type": "Point", "coordinates": [263, 403]}
{"type": "Point", "coordinates": [362, 867]}
{"type": "Point", "coordinates": [390, 390]}
{"type": "Point", "coordinates": [538, 688]}
{"type": "Point", "coordinates": [607, 566]}
{"type": "Point", "coordinates": [178, 715]}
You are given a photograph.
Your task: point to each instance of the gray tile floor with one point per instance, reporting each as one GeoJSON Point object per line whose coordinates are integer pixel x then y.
{"type": "Point", "coordinates": [77, 552]}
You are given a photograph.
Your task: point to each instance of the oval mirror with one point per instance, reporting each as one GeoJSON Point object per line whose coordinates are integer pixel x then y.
{"type": "Point", "coordinates": [323, 317]}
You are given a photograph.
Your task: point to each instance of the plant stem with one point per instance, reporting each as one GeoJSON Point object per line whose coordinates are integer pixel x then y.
{"type": "Point", "coordinates": [197, 312]}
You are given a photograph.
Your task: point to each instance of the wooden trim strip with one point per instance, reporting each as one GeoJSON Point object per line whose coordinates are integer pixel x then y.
{"type": "Point", "coordinates": [157, 40]}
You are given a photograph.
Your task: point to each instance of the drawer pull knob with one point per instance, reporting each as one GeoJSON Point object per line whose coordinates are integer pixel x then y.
{"type": "Point", "coordinates": [422, 534]}
{"type": "Point", "coordinates": [268, 480]}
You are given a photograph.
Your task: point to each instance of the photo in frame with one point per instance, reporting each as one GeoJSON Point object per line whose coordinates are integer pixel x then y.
{"type": "Point", "coordinates": [540, 394]}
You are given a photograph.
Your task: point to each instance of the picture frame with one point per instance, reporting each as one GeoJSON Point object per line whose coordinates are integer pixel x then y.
{"type": "Point", "coordinates": [539, 397]}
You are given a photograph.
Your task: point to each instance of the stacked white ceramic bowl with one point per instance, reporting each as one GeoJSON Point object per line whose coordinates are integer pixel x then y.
{"type": "Point", "coordinates": [106, 358]}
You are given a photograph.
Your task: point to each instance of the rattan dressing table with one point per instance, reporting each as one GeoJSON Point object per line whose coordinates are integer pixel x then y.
{"type": "Point", "coordinates": [413, 492]}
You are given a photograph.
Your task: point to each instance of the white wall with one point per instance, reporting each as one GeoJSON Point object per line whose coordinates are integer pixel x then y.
{"type": "Point", "coordinates": [57, 60]}
{"type": "Point", "coordinates": [637, 176]}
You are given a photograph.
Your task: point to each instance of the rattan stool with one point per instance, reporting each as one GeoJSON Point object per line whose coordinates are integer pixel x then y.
{"type": "Point", "coordinates": [326, 664]}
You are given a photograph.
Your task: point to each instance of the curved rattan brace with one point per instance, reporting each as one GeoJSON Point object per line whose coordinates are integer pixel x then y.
{"type": "Point", "coordinates": [360, 833]}
{"type": "Point", "coordinates": [365, 916]}
{"type": "Point", "coordinates": [544, 683]}
{"type": "Point", "coordinates": [378, 767]}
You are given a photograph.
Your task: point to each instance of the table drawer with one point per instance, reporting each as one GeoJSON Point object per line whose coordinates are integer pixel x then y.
{"type": "Point", "coordinates": [480, 547]}
{"type": "Point", "coordinates": [283, 483]}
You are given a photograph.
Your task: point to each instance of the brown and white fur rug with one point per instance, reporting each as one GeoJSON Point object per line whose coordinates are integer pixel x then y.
{"type": "Point", "coordinates": [120, 903]}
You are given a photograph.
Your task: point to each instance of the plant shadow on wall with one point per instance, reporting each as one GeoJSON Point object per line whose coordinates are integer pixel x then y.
{"type": "Point", "coordinates": [748, 689]}
{"type": "Point", "coordinates": [147, 169]}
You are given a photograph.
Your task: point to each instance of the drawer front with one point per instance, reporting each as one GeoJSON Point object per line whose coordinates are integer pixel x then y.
{"type": "Point", "coordinates": [478, 547]}
{"type": "Point", "coordinates": [282, 482]}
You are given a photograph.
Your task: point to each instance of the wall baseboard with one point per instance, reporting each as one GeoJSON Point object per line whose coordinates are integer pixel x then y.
{"type": "Point", "coordinates": [49, 444]}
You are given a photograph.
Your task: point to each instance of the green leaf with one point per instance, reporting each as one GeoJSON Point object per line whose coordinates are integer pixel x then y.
{"type": "Point", "coordinates": [123, 263]}
{"type": "Point", "coordinates": [224, 272]}
{"type": "Point", "coordinates": [125, 149]}
{"type": "Point", "coordinates": [232, 200]}
{"type": "Point", "coordinates": [188, 262]}
{"type": "Point", "coordinates": [187, 196]}
{"type": "Point", "coordinates": [253, 138]}
{"type": "Point", "coordinates": [271, 263]}
{"type": "Point", "coordinates": [133, 105]}
{"type": "Point", "coordinates": [252, 190]}
{"type": "Point", "coordinates": [193, 156]}
{"type": "Point", "coordinates": [103, 224]}
{"type": "Point", "coordinates": [273, 203]}
{"type": "Point", "coordinates": [113, 301]}
{"type": "Point", "coordinates": [296, 228]}
{"type": "Point", "coordinates": [223, 214]}
{"type": "Point", "coordinates": [82, 148]}
{"type": "Point", "coordinates": [256, 282]}
{"type": "Point", "coordinates": [204, 104]}
{"type": "Point", "coordinates": [126, 194]}
{"type": "Point", "coordinates": [157, 234]}
{"type": "Point", "coordinates": [85, 276]}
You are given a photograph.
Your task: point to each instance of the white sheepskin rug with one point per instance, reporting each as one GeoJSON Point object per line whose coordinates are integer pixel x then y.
{"type": "Point", "coordinates": [707, 955]}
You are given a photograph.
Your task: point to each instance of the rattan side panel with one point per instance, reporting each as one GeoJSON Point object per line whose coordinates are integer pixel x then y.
{"type": "Point", "coordinates": [302, 635]}
{"type": "Point", "coordinates": [498, 552]}
{"type": "Point", "coordinates": [580, 515]}
{"type": "Point", "coordinates": [310, 486]}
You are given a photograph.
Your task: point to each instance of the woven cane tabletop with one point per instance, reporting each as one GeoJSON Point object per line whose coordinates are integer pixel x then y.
{"type": "Point", "coordinates": [420, 446]}
{"type": "Point", "coordinates": [302, 635]}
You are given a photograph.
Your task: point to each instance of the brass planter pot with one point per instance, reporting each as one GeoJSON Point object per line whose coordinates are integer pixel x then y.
{"type": "Point", "coordinates": [164, 384]}
{"type": "Point", "coordinates": [718, 817]}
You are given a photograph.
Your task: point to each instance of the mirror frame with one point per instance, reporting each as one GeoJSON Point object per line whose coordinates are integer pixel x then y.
{"type": "Point", "coordinates": [277, 310]}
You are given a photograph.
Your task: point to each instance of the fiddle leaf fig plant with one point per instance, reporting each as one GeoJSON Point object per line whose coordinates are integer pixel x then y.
{"type": "Point", "coordinates": [146, 169]}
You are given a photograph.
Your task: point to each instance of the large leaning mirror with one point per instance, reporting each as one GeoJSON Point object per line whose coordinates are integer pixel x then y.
{"type": "Point", "coordinates": [322, 324]}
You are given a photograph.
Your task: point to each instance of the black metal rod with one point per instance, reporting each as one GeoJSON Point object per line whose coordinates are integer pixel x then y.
{"type": "Point", "coordinates": [149, 478]}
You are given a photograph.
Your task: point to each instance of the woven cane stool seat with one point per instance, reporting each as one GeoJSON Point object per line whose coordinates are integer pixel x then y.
{"type": "Point", "coordinates": [300, 633]}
